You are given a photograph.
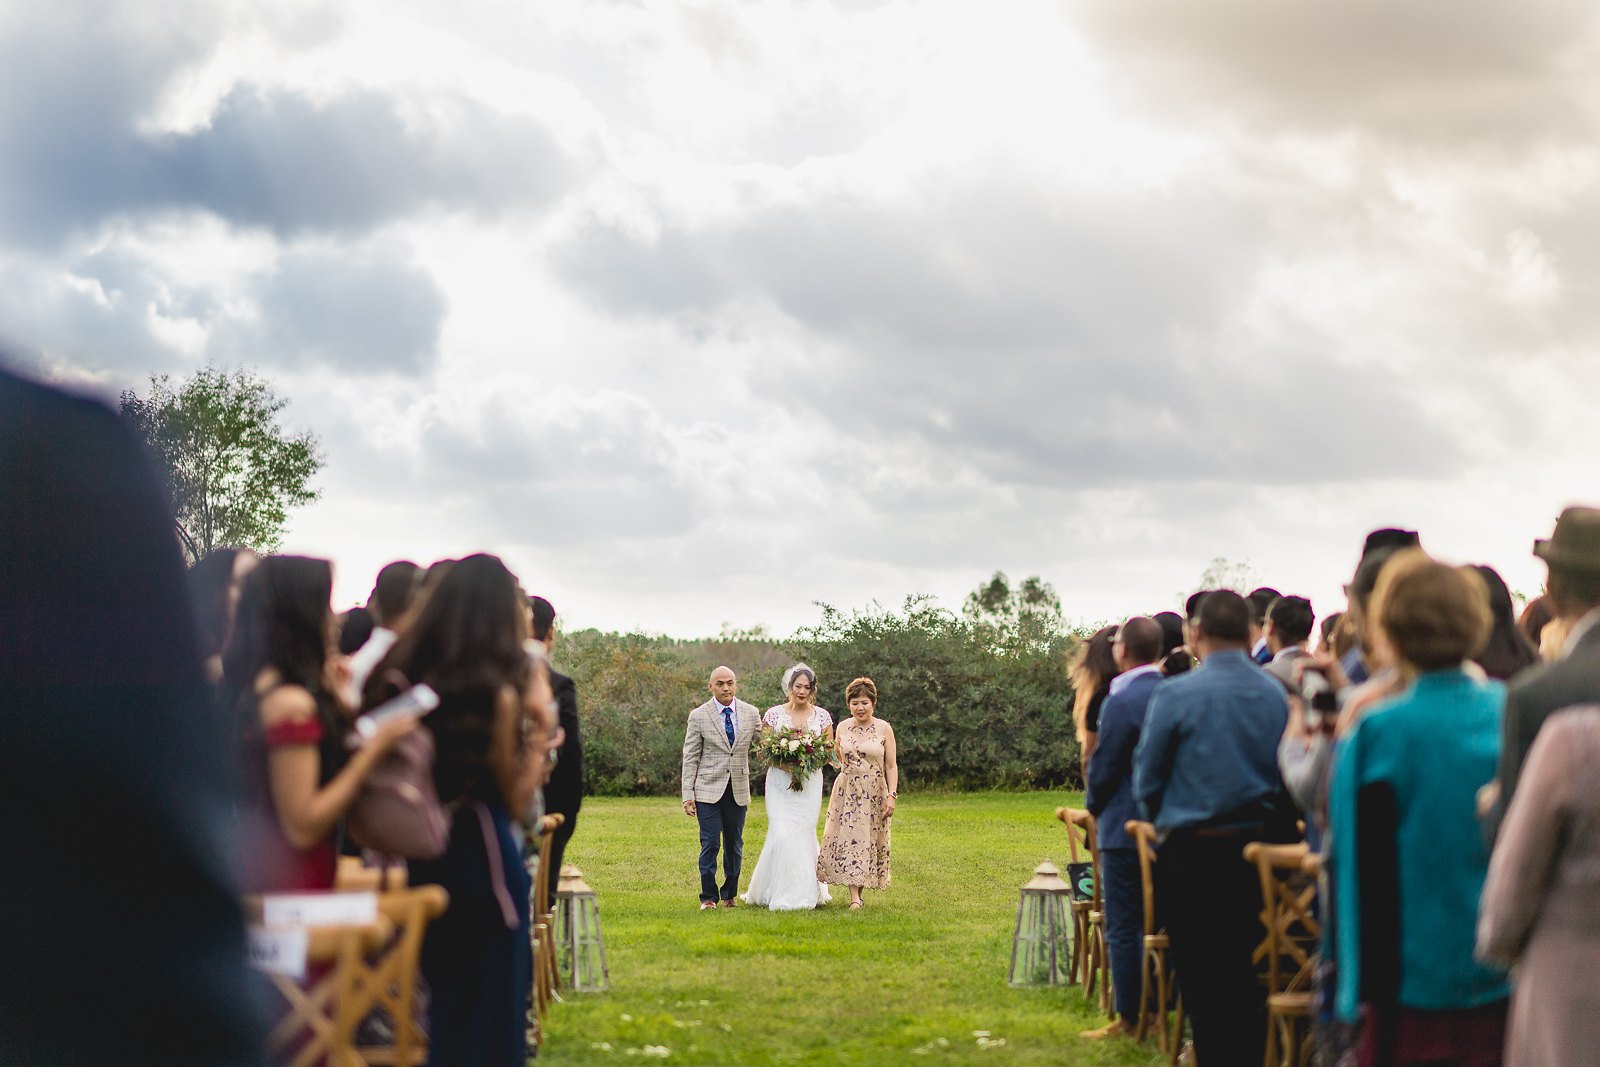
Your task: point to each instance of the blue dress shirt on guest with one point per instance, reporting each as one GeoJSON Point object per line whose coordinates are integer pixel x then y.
{"type": "Point", "coordinates": [1109, 778]}
{"type": "Point", "coordinates": [1210, 743]}
{"type": "Point", "coordinates": [1432, 747]}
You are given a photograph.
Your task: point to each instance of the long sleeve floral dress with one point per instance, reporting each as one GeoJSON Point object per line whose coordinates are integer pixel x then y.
{"type": "Point", "coordinates": [855, 840]}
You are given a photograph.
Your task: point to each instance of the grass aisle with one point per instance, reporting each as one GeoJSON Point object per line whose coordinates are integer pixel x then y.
{"type": "Point", "coordinates": [913, 977]}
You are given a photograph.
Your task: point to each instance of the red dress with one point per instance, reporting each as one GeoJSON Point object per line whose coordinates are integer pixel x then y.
{"type": "Point", "coordinates": [272, 863]}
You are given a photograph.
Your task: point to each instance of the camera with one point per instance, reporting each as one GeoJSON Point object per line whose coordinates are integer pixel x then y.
{"type": "Point", "coordinates": [1316, 693]}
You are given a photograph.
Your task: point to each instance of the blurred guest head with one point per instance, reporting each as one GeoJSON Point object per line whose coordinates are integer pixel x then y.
{"type": "Point", "coordinates": [1260, 599]}
{"type": "Point", "coordinates": [544, 619]}
{"type": "Point", "coordinates": [1224, 623]}
{"type": "Point", "coordinates": [1507, 650]}
{"type": "Point", "coordinates": [1572, 553]}
{"type": "Point", "coordinates": [355, 628]}
{"type": "Point", "coordinates": [1326, 632]}
{"type": "Point", "coordinates": [214, 590]}
{"type": "Point", "coordinates": [393, 592]}
{"type": "Point", "coordinates": [1432, 616]}
{"type": "Point", "coordinates": [1175, 658]}
{"type": "Point", "coordinates": [1092, 668]}
{"type": "Point", "coordinates": [1289, 622]}
{"type": "Point", "coordinates": [1535, 616]}
{"type": "Point", "coordinates": [1359, 592]}
{"type": "Point", "coordinates": [1390, 538]}
{"type": "Point", "coordinates": [1137, 642]}
{"type": "Point", "coordinates": [285, 624]}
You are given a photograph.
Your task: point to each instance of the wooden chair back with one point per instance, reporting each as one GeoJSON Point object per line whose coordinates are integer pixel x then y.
{"type": "Point", "coordinates": [1144, 839]}
{"type": "Point", "coordinates": [392, 972]}
{"type": "Point", "coordinates": [1288, 915]}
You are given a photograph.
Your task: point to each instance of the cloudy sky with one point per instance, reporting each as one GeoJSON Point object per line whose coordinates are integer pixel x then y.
{"type": "Point", "coordinates": [701, 312]}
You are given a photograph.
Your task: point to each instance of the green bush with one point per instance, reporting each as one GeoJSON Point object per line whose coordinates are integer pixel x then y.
{"type": "Point", "coordinates": [979, 700]}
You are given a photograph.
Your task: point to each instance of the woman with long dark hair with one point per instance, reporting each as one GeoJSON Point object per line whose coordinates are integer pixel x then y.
{"type": "Point", "coordinates": [1508, 650]}
{"type": "Point", "coordinates": [467, 642]}
{"type": "Point", "coordinates": [214, 585]}
{"type": "Point", "coordinates": [1091, 671]}
{"type": "Point", "coordinates": [299, 778]}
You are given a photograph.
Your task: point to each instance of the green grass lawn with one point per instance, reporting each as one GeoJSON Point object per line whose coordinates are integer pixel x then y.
{"type": "Point", "coordinates": [918, 975]}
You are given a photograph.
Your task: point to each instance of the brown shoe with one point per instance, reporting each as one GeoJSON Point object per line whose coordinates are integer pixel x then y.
{"type": "Point", "coordinates": [1114, 1028]}
{"type": "Point", "coordinates": [731, 902]}
{"type": "Point", "coordinates": [708, 905]}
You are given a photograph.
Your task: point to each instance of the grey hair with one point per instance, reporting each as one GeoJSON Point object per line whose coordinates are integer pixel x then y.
{"type": "Point", "coordinates": [798, 669]}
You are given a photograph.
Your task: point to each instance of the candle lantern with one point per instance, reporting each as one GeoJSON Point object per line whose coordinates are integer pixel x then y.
{"type": "Point", "coordinates": [579, 944]}
{"type": "Point", "coordinates": [1041, 950]}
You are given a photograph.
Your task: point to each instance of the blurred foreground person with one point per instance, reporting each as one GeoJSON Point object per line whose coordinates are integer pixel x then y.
{"type": "Point", "coordinates": [467, 643]}
{"type": "Point", "coordinates": [300, 779]}
{"type": "Point", "coordinates": [1408, 860]}
{"type": "Point", "coordinates": [1573, 555]}
{"type": "Point", "coordinates": [563, 792]}
{"type": "Point", "coordinates": [121, 936]}
{"type": "Point", "coordinates": [1542, 897]}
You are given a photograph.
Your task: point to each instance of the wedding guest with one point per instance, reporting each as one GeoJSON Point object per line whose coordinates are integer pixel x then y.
{"type": "Point", "coordinates": [1205, 772]}
{"type": "Point", "coordinates": [1507, 652]}
{"type": "Point", "coordinates": [1109, 798]}
{"type": "Point", "coordinates": [1535, 617]}
{"type": "Point", "coordinates": [355, 629]}
{"type": "Point", "coordinates": [299, 778]}
{"type": "Point", "coordinates": [392, 596]}
{"type": "Point", "coordinates": [1379, 545]}
{"type": "Point", "coordinates": [467, 643]}
{"type": "Point", "coordinates": [855, 839]}
{"type": "Point", "coordinates": [563, 791]}
{"type": "Point", "coordinates": [214, 592]}
{"type": "Point", "coordinates": [1328, 633]}
{"type": "Point", "coordinates": [1409, 863]}
{"type": "Point", "coordinates": [716, 783]}
{"type": "Point", "coordinates": [1287, 632]}
{"type": "Point", "coordinates": [1572, 554]}
{"type": "Point", "coordinates": [121, 932]}
{"type": "Point", "coordinates": [1175, 658]}
{"type": "Point", "coordinates": [1543, 893]}
{"type": "Point", "coordinates": [1260, 600]}
{"type": "Point", "coordinates": [1091, 672]}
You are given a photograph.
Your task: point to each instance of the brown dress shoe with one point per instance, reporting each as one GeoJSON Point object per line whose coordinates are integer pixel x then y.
{"type": "Point", "coordinates": [1115, 1028]}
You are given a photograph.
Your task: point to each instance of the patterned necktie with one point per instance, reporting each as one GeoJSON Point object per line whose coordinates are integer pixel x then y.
{"type": "Point", "coordinates": [727, 724]}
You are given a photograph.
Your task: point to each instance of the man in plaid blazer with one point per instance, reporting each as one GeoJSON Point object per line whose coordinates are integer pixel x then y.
{"type": "Point", "coordinates": [716, 782]}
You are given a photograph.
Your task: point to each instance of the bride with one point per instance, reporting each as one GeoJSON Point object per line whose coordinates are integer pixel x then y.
{"type": "Point", "coordinates": [785, 878]}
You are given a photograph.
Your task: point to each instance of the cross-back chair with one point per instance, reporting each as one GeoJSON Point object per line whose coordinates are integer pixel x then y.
{"type": "Point", "coordinates": [1157, 987]}
{"type": "Point", "coordinates": [1289, 917]}
{"type": "Point", "coordinates": [1089, 963]}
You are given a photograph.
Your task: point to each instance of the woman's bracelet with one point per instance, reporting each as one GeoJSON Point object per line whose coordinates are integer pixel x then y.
{"type": "Point", "coordinates": [893, 796]}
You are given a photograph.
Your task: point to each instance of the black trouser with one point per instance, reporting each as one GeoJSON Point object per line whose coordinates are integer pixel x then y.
{"type": "Point", "coordinates": [1122, 890]}
{"type": "Point", "coordinates": [558, 848]}
{"type": "Point", "coordinates": [720, 823]}
{"type": "Point", "coordinates": [1211, 902]}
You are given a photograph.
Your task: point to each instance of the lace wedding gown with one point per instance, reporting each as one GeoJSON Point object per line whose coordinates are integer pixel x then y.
{"type": "Point", "coordinates": [785, 878]}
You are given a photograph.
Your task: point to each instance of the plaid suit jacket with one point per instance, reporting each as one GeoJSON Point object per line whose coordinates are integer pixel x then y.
{"type": "Point", "coordinates": [709, 762]}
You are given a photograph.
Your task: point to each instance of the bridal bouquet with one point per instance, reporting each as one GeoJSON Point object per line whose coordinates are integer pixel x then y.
{"type": "Point", "coordinates": [797, 751]}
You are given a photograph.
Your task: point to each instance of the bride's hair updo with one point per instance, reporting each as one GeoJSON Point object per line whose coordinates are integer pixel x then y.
{"type": "Point", "coordinates": [796, 671]}
{"type": "Point", "coordinates": [862, 687]}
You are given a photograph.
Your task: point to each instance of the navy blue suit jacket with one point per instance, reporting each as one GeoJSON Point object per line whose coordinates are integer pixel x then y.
{"type": "Point", "coordinates": [1109, 796]}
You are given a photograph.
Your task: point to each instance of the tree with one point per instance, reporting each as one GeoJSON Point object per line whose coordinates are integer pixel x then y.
{"type": "Point", "coordinates": [1028, 617]}
{"type": "Point", "coordinates": [233, 470]}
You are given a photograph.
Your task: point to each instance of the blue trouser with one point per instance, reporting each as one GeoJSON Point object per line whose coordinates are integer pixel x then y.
{"type": "Point", "coordinates": [724, 822]}
{"type": "Point", "coordinates": [1122, 893]}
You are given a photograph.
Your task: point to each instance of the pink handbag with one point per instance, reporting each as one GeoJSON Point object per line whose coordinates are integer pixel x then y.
{"type": "Point", "coordinates": [397, 811]}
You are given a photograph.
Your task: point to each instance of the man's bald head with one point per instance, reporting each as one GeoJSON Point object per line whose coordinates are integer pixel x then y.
{"type": "Point", "coordinates": [724, 685]}
{"type": "Point", "coordinates": [1138, 642]}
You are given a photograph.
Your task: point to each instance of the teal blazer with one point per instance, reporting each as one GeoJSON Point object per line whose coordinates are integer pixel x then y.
{"type": "Point", "coordinates": [1403, 804]}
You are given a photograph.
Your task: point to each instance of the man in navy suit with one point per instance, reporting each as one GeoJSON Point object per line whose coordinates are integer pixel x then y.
{"type": "Point", "coordinates": [1109, 798]}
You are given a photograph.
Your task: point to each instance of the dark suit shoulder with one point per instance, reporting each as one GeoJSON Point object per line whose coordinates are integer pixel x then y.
{"type": "Point", "coordinates": [559, 682]}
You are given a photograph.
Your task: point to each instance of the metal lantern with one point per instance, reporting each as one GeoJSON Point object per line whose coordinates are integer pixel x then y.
{"type": "Point", "coordinates": [581, 947]}
{"type": "Point", "coordinates": [1041, 951]}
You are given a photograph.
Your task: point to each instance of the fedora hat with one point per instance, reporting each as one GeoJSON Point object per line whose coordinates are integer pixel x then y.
{"type": "Point", "coordinates": [1576, 541]}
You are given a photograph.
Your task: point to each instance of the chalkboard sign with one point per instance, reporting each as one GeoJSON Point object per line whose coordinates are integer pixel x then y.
{"type": "Point", "coordinates": [1080, 876]}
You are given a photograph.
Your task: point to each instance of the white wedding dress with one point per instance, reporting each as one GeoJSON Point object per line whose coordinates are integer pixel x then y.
{"type": "Point", "coordinates": [785, 878]}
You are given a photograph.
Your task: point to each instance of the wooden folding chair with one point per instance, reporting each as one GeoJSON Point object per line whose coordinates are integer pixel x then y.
{"type": "Point", "coordinates": [1089, 963]}
{"type": "Point", "coordinates": [320, 1023]}
{"type": "Point", "coordinates": [392, 973]}
{"type": "Point", "coordinates": [1157, 989]}
{"type": "Point", "coordinates": [546, 979]}
{"type": "Point", "coordinates": [1288, 914]}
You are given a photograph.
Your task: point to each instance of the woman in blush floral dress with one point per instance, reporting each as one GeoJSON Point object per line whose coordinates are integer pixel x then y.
{"type": "Point", "coordinates": [855, 841]}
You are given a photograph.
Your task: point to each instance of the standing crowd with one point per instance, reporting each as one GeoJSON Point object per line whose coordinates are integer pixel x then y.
{"type": "Point", "coordinates": [1434, 751]}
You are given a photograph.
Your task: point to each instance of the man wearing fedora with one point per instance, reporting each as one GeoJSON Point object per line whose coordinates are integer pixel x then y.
{"type": "Point", "coordinates": [1572, 554]}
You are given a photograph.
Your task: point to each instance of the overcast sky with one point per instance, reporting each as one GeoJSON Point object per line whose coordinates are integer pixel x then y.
{"type": "Point", "coordinates": [701, 312]}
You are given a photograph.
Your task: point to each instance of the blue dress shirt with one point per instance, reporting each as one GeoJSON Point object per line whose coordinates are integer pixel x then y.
{"type": "Point", "coordinates": [1210, 743]}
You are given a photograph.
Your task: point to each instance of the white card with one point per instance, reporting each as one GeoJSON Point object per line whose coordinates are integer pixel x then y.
{"type": "Point", "coordinates": [279, 951]}
{"type": "Point", "coordinates": [319, 909]}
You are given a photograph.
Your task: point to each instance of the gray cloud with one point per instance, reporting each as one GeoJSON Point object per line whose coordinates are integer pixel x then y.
{"type": "Point", "coordinates": [1069, 342]}
{"type": "Point", "coordinates": [272, 158]}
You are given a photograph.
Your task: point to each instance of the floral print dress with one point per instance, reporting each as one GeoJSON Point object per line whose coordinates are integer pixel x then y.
{"type": "Point", "coordinates": [855, 841]}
